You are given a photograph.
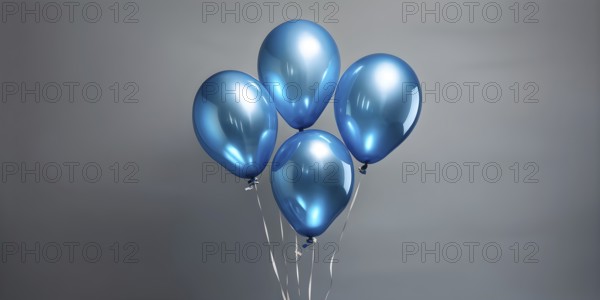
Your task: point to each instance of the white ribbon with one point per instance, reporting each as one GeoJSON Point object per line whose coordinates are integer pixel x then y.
{"type": "Point", "coordinates": [268, 240]}
{"type": "Point", "coordinates": [297, 267]}
{"type": "Point", "coordinates": [312, 265]}
{"type": "Point", "coordinates": [340, 239]}
{"type": "Point", "coordinates": [287, 281]}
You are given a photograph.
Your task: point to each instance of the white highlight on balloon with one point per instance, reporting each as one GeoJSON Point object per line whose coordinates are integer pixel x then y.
{"type": "Point", "coordinates": [250, 96]}
{"type": "Point", "coordinates": [233, 154]}
{"type": "Point", "coordinates": [315, 215]}
{"type": "Point", "coordinates": [309, 46]}
{"type": "Point", "coordinates": [319, 149]}
{"type": "Point", "coordinates": [301, 202]}
{"type": "Point", "coordinates": [386, 77]}
{"type": "Point", "coordinates": [412, 113]}
{"type": "Point", "coordinates": [369, 142]}
{"type": "Point", "coordinates": [347, 179]}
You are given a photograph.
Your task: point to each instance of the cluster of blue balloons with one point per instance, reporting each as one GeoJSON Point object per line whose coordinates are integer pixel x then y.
{"type": "Point", "coordinates": [377, 104]}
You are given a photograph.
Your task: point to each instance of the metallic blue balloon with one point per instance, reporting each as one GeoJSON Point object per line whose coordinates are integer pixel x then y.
{"type": "Point", "coordinates": [377, 104]}
{"type": "Point", "coordinates": [299, 64]}
{"type": "Point", "coordinates": [312, 178]}
{"type": "Point", "coordinates": [236, 122]}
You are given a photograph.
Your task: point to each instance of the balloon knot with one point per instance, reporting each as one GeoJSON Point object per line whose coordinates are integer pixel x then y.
{"type": "Point", "coordinates": [301, 129]}
{"type": "Point", "coordinates": [252, 183]}
{"type": "Point", "coordinates": [309, 241]}
{"type": "Point", "coordinates": [363, 169]}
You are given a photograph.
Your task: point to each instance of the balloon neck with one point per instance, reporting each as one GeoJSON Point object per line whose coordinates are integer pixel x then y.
{"type": "Point", "coordinates": [363, 169]}
{"type": "Point", "coordinates": [309, 241]}
{"type": "Point", "coordinates": [252, 184]}
{"type": "Point", "coordinates": [301, 129]}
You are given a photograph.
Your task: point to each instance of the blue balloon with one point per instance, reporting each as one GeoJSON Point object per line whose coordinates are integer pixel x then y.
{"type": "Point", "coordinates": [377, 104]}
{"type": "Point", "coordinates": [299, 64]}
{"type": "Point", "coordinates": [312, 178]}
{"type": "Point", "coordinates": [236, 122]}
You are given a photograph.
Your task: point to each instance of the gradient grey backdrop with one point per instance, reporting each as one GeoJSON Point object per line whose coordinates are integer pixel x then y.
{"type": "Point", "coordinates": [170, 213]}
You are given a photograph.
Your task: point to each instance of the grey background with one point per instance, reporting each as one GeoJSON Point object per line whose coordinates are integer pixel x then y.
{"type": "Point", "coordinates": [170, 213]}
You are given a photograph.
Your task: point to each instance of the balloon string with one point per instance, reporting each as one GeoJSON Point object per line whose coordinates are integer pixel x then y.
{"type": "Point", "coordinates": [287, 282]}
{"type": "Point", "coordinates": [312, 265]}
{"type": "Point", "coordinates": [340, 239]}
{"type": "Point", "coordinates": [297, 267]}
{"type": "Point", "coordinates": [255, 185]}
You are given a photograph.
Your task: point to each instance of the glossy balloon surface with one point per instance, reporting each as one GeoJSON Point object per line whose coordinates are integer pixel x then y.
{"type": "Point", "coordinates": [312, 179]}
{"type": "Point", "coordinates": [377, 105]}
{"type": "Point", "coordinates": [299, 64]}
{"type": "Point", "coordinates": [236, 122]}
